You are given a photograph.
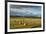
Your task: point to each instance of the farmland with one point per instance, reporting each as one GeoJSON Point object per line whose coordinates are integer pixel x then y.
{"type": "Point", "coordinates": [24, 22]}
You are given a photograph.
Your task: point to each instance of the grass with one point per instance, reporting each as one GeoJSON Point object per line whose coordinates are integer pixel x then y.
{"type": "Point", "coordinates": [18, 22]}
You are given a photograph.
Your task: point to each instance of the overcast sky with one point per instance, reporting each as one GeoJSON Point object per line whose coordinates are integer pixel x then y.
{"type": "Point", "coordinates": [19, 10]}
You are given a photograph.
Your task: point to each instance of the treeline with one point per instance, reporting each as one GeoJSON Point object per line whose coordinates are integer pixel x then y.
{"type": "Point", "coordinates": [26, 16]}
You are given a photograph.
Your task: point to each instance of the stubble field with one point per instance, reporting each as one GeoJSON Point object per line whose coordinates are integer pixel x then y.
{"type": "Point", "coordinates": [20, 22]}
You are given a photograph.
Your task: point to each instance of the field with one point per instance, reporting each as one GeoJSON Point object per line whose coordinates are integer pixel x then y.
{"type": "Point", "coordinates": [26, 22]}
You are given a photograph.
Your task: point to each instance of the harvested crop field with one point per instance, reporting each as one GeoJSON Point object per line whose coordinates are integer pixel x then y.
{"type": "Point", "coordinates": [20, 22]}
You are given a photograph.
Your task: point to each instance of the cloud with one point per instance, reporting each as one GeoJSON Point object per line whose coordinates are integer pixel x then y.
{"type": "Point", "coordinates": [26, 11]}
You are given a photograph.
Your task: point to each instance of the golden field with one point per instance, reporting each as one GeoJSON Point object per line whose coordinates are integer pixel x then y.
{"type": "Point", "coordinates": [23, 22]}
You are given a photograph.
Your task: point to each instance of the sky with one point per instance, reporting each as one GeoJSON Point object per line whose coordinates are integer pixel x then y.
{"type": "Point", "coordinates": [21, 10]}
